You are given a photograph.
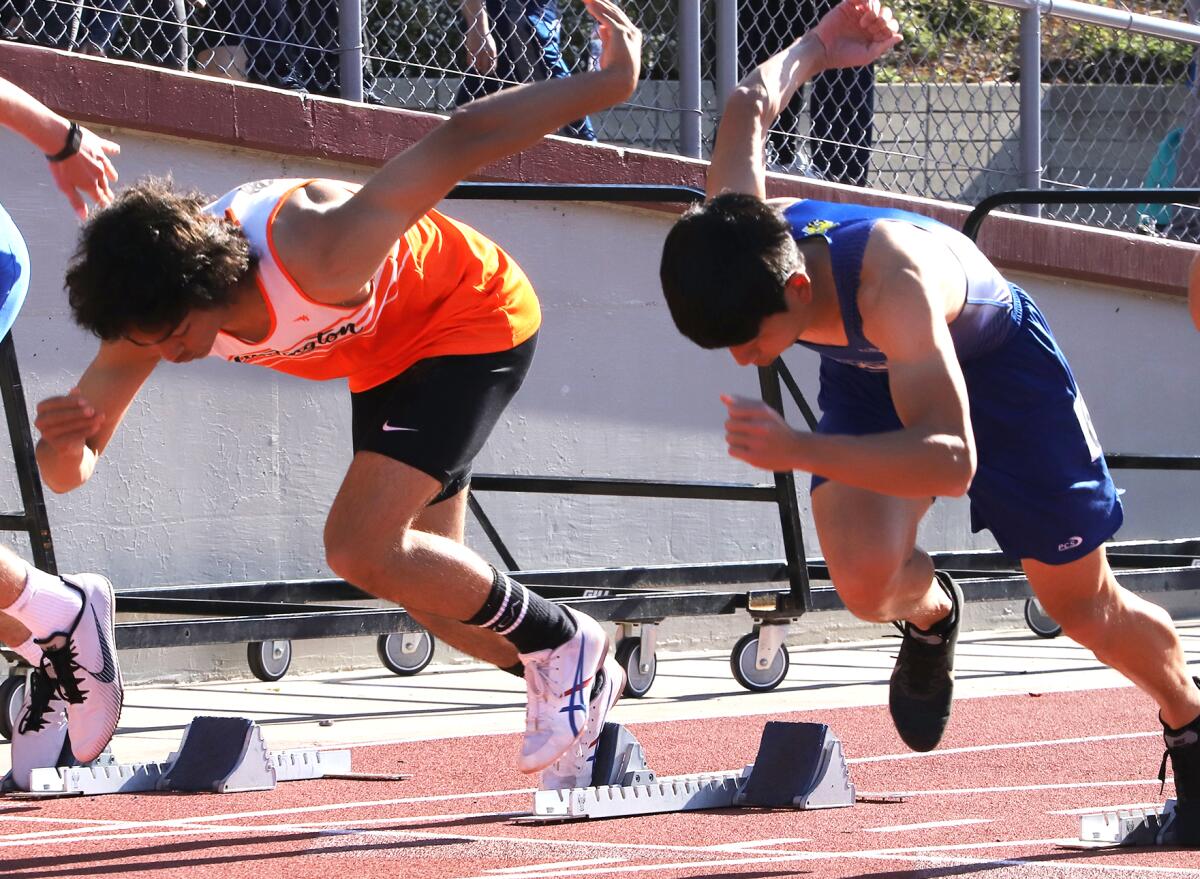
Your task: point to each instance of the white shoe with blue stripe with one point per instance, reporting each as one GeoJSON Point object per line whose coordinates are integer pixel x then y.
{"type": "Point", "coordinates": [574, 768]}
{"type": "Point", "coordinates": [559, 687]}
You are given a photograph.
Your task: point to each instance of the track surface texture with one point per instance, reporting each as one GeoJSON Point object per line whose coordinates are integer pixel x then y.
{"type": "Point", "coordinates": [1000, 798]}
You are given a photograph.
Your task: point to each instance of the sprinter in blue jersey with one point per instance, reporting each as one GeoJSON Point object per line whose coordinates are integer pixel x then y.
{"type": "Point", "coordinates": [938, 377]}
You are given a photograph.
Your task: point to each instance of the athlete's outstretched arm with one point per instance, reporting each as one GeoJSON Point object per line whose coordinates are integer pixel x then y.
{"type": "Point", "coordinates": [76, 427]}
{"type": "Point", "coordinates": [347, 243]}
{"type": "Point", "coordinates": [852, 34]}
{"type": "Point", "coordinates": [86, 172]}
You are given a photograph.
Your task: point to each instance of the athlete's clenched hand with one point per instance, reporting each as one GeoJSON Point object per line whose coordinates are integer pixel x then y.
{"type": "Point", "coordinates": [758, 435]}
{"type": "Point", "coordinates": [66, 422]}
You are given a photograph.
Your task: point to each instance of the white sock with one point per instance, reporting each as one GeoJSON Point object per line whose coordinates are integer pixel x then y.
{"type": "Point", "coordinates": [28, 651]}
{"type": "Point", "coordinates": [46, 606]}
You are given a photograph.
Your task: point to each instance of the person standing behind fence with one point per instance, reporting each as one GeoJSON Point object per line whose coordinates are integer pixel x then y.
{"type": "Point", "coordinates": [62, 626]}
{"type": "Point", "coordinates": [264, 33]}
{"type": "Point", "coordinates": [322, 45]}
{"type": "Point", "coordinates": [510, 42]}
{"type": "Point", "coordinates": [841, 103]}
{"type": "Point", "coordinates": [155, 30]}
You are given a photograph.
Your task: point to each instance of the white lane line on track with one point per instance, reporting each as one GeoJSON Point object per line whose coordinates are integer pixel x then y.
{"type": "Point", "coordinates": [933, 853]}
{"type": "Point", "coordinates": [37, 819]}
{"type": "Point", "coordinates": [556, 865]}
{"type": "Point", "coordinates": [1073, 785]}
{"type": "Point", "coordinates": [923, 855]}
{"type": "Point", "coordinates": [1003, 746]}
{"type": "Point", "coordinates": [297, 810]}
{"type": "Point", "coordinates": [756, 843]}
{"type": "Point", "coordinates": [1089, 810]}
{"type": "Point", "coordinates": [1057, 868]}
{"type": "Point", "coordinates": [73, 834]}
{"type": "Point", "coordinates": [928, 825]}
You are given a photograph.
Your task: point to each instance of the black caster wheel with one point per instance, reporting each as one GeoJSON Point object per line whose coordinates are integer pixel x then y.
{"type": "Point", "coordinates": [743, 659]}
{"type": "Point", "coordinates": [395, 660]}
{"type": "Point", "coordinates": [269, 660]}
{"type": "Point", "coordinates": [12, 693]}
{"type": "Point", "coordinates": [1040, 622]}
{"type": "Point", "coordinates": [629, 655]}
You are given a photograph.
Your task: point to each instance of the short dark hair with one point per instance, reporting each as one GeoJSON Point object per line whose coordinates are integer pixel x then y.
{"type": "Point", "coordinates": [150, 258]}
{"type": "Point", "coordinates": [725, 265]}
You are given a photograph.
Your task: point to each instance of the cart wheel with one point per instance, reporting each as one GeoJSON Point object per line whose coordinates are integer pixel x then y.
{"type": "Point", "coordinates": [391, 653]}
{"type": "Point", "coordinates": [743, 662]}
{"type": "Point", "coordinates": [12, 693]}
{"type": "Point", "coordinates": [629, 655]}
{"type": "Point", "coordinates": [1040, 622]}
{"type": "Point", "coordinates": [269, 660]}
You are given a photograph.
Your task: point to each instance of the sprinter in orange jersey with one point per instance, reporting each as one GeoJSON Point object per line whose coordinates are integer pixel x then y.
{"type": "Point", "coordinates": [432, 325]}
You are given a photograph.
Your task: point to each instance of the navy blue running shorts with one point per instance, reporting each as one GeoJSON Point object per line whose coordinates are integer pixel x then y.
{"type": "Point", "coordinates": [437, 414]}
{"type": "Point", "coordinates": [1041, 485]}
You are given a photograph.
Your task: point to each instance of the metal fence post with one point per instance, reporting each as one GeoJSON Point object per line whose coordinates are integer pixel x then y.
{"type": "Point", "coordinates": [350, 49]}
{"type": "Point", "coordinates": [181, 48]}
{"type": "Point", "coordinates": [689, 78]}
{"type": "Point", "coordinates": [727, 50]}
{"type": "Point", "coordinates": [1031, 103]}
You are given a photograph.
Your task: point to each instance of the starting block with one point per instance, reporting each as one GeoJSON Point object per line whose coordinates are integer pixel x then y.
{"type": "Point", "coordinates": [799, 765]}
{"type": "Point", "coordinates": [217, 754]}
{"type": "Point", "coordinates": [1132, 827]}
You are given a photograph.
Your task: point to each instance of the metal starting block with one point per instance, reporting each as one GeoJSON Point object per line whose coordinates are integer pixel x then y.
{"type": "Point", "coordinates": [799, 765]}
{"type": "Point", "coordinates": [217, 754]}
{"type": "Point", "coordinates": [1134, 827]}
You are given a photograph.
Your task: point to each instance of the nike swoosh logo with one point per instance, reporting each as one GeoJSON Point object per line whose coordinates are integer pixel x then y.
{"type": "Point", "coordinates": [391, 427]}
{"type": "Point", "coordinates": [108, 669]}
{"type": "Point", "coordinates": [1188, 737]}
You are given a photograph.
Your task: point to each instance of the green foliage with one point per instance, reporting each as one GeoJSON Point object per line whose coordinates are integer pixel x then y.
{"type": "Point", "coordinates": [970, 41]}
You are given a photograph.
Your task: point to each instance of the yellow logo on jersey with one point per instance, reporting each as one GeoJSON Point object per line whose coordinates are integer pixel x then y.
{"type": "Point", "coordinates": [818, 227]}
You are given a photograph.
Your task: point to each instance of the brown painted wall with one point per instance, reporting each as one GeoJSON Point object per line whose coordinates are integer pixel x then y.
{"type": "Point", "coordinates": [184, 105]}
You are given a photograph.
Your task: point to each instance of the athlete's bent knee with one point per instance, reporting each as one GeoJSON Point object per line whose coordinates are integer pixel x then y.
{"type": "Point", "coordinates": [863, 587]}
{"type": "Point", "coordinates": [355, 558]}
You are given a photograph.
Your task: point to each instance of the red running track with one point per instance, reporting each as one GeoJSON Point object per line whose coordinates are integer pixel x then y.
{"type": "Point", "coordinates": [998, 799]}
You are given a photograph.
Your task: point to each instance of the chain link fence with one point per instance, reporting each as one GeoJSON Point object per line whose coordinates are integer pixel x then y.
{"type": "Point", "coordinates": [941, 116]}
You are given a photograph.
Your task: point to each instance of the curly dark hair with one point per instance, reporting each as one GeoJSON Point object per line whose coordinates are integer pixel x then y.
{"type": "Point", "coordinates": [724, 268]}
{"type": "Point", "coordinates": [151, 257]}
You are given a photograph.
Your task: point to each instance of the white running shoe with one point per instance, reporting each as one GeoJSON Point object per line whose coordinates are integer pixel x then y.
{"type": "Point", "coordinates": [83, 663]}
{"type": "Point", "coordinates": [557, 684]}
{"type": "Point", "coordinates": [39, 736]}
{"type": "Point", "coordinates": [574, 768]}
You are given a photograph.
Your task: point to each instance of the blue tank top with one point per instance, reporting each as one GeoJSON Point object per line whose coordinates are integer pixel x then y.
{"type": "Point", "coordinates": [990, 316]}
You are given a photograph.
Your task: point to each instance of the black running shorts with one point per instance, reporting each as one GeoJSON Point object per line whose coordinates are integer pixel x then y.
{"type": "Point", "coordinates": [437, 414]}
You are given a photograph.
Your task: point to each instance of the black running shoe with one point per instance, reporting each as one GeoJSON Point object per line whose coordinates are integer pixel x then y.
{"type": "Point", "coordinates": [923, 679]}
{"type": "Point", "coordinates": [1183, 750]}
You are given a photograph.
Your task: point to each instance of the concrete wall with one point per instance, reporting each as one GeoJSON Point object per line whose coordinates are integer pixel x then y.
{"type": "Point", "coordinates": [224, 472]}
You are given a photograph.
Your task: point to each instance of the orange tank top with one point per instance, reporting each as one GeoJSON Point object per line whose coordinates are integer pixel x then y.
{"type": "Point", "coordinates": [443, 289]}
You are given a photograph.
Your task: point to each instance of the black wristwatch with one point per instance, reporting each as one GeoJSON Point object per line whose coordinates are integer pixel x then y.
{"type": "Point", "coordinates": [74, 137]}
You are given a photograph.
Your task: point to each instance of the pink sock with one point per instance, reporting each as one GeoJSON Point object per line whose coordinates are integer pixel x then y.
{"type": "Point", "coordinates": [46, 606]}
